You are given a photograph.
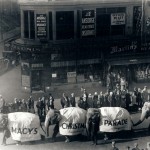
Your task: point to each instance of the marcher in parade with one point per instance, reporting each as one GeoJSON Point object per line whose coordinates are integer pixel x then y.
{"type": "Point", "coordinates": [94, 127]}
{"type": "Point", "coordinates": [85, 97]}
{"type": "Point", "coordinates": [4, 126]}
{"type": "Point", "coordinates": [72, 100]}
{"type": "Point", "coordinates": [133, 102]}
{"type": "Point", "coordinates": [135, 147]}
{"type": "Point", "coordinates": [50, 102]}
{"type": "Point", "coordinates": [65, 101]}
{"type": "Point", "coordinates": [113, 144]}
{"type": "Point", "coordinates": [106, 99]}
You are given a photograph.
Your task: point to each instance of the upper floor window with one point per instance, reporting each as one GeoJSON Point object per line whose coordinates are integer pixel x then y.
{"type": "Point", "coordinates": [29, 24]}
{"type": "Point", "coordinates": [64, 25]}
{"type": "Point", "coordinates": [110, 21]}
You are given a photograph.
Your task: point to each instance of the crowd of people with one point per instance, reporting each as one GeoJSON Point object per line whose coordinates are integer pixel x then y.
{"type": "Point", "coordinates": [116, 97]}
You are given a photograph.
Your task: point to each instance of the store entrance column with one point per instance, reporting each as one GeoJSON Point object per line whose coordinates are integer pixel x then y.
{"type": "Point", "coordinates": [36, 80]}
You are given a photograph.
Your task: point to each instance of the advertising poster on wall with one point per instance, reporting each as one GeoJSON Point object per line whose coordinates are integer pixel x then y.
{"type": "Point", "coordinates": [41, 23]}
{"type": "Point", "coordinates": [88, 23]}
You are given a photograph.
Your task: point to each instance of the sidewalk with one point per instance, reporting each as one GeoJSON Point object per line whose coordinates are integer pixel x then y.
{"type": "Point", "coordinates": [10, 87]}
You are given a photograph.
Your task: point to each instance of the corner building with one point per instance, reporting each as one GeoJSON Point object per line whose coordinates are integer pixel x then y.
{"type": "Point", "coordinates": [71, 41]}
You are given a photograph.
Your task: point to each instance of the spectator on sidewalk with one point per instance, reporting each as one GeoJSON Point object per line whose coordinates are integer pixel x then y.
{"type": "Point", "coordinates": [2, 104]}
{"type": "Point", "coordinates": [64, 101]}
{"type": "Point", "coordinates": [15, 105]}
{"type": "Point", "coordinates": [30, 105]}
{"type": "Point", "coordinates": [50, 102]}
{"type": "Point", "coordinates": [90, 101]}
{"type": "Point", "coordinates": [23, 106]}
{"type": "Point", "coordinates": [95, 100]}
{"type": "Point", "coordinates": [72, 100]}
{"type": "Point", "coordinates": [145, 95]}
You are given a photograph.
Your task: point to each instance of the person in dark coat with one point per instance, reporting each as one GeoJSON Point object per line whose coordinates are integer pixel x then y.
{"type": "Point", "coordinates": [90, 101]}
{"type": "Point", "coordinates": [95, 100]}
{"type": "Point", "coordinates": [43, 108]}
{"type": "Point", "coordinates": [38, 106]}
{"type": "Point", "coordinates": [50, 102]}
{"type": "Point", "coordinates": [65, 101]}
{"type": "Point", "coordinates": [85, 97]}
{"type": "Point", "coordinates": [101, 100]}
{"type": "Point", "coordinates": [30, 105]}
{"type": "Point", "coordinates": [23, 106]}
{"type": "Point", "coordinates": [15, 105]}
{"type": "Point", "coordinates": [128, 100]}
{"type": "Point", "coordinates": [6, 132]}
{"type": "Point", "coordinates": [123, 97]}
{"type": "Point", "coordinates": [139, 99]}
{"type": "Point", "coordinates": [106, 99]}
{"type": "Point", "coordinates": [94, 127]}
{"type": "Point", "coordinates": [72, 100]}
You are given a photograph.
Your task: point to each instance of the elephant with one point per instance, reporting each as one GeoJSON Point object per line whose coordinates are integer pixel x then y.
{"type": "Point", "coordinates": [68, 121]}
{"type": "Point", "coordinates": [21, 126]}
{"type": "Point", "coordinates": [145, 114]}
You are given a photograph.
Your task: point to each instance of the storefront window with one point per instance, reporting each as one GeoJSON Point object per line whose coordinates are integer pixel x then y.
{"type": "Point", "coordinates": [110, 21]}
{"type": "Point", "coordinates": [29, 26]}
{"type": "Point", "coordinates": [64, 25]}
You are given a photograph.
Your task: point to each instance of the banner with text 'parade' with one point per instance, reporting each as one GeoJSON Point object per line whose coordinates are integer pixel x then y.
{"type": "Point", "coordinates": [24, 126]}
{"type": "Point", "coordinates": [114, 119]}
{"type": "Point", "coordinates": [73, 121]}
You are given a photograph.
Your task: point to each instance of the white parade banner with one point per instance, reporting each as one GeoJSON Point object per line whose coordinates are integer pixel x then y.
{"type": "Point", "coordinates": [24, 126]}
{"type": "Point", "coordinates": [73, 121]}
{"type": "Point", "coordinates": [114, 119]}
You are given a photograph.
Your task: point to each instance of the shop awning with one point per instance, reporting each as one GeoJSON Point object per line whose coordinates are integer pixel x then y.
{"type": "Point", "coordinates": [128, 61]}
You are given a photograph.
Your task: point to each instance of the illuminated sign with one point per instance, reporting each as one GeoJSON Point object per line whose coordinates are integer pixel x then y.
{"type": "Point", "coordinates": [41, 24]}
{"type": "Point", "coordinates": [88, 23]}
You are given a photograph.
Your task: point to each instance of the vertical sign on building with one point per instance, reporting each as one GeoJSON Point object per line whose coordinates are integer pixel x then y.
{"type": "Point", "coordinates": [88, 23]}
{"type": "Point", "coordinates": [41, 24]}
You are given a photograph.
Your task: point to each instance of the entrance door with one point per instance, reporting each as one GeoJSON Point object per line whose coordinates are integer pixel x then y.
{"type": "Point", "coordinates": [36, 80]}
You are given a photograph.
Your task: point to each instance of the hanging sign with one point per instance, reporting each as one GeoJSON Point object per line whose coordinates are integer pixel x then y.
{"type": "Point", "coordinates": [118, 19]}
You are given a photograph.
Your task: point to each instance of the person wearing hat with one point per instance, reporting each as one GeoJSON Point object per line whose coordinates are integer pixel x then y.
{"type": "Point", "coordinates": [145, 95]}
{"type": "Point", "coordinates": [30, 104]}
{"type": "Point", "coordinates": [95, 100]}
{"type": "Point", "coordinates": [15, 105]}
{"type": "Point", "coordinates": [50, 102]}
{"type": "Point", "coordinates": [72, 100]}
{"type": "Point", "coordinates": [90, 101]}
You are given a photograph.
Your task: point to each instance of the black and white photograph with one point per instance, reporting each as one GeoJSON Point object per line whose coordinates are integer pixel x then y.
{"type": "Point", "coordinates": [74, 74]}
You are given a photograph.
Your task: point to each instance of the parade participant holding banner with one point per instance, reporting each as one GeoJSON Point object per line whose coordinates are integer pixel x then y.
{"type": "Point", "coordinates": [4, 127]}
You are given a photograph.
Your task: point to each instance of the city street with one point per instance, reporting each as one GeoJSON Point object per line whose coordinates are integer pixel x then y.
{"type": "Point", "coordinates": [10, 88]}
